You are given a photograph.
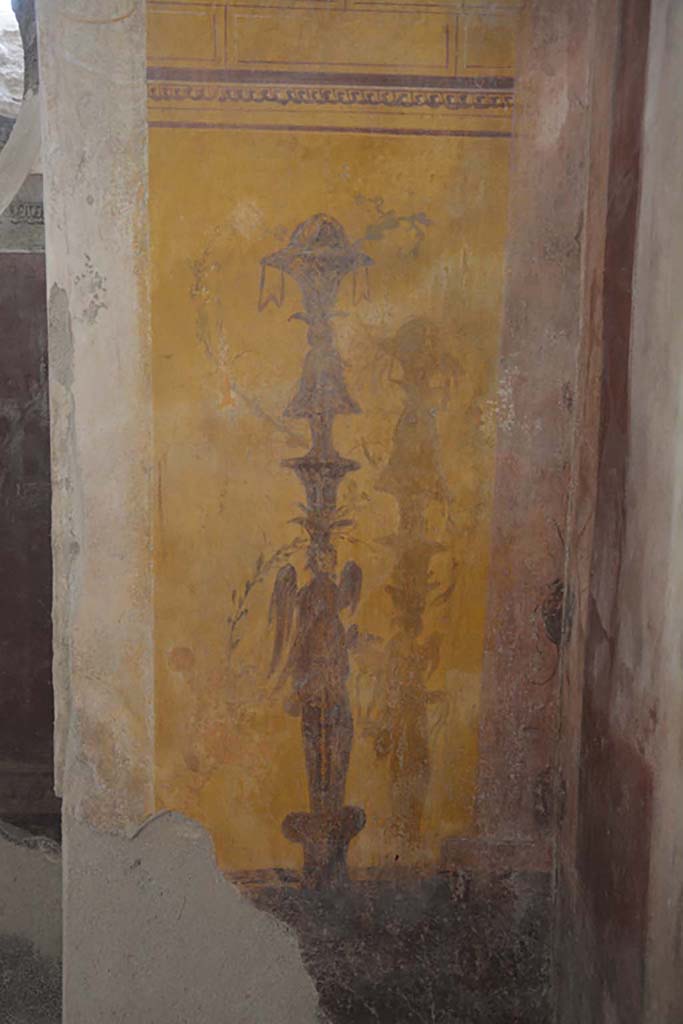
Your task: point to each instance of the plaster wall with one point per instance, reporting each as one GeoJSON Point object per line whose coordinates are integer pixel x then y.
{"type": "Point", "coordinates": [26, 700]}
{"type": "Point", "coordinates": [420, 356]}
{"type": "Point", "coordinates": [518, 796]}
{"type": "Point", "coordinates": [30, 868]}
{"type": "Point", "coordinates": [655, 564]}
{"type": "Point", "coordinates": [100, 415]}
{"type": "Point", "coordinates": [152, 411]}
{"type": "Point", "coordinates": [619, 848]}
{"type": "Point", "coordinates": [25, 635]}
{"type": "Point", "coordinates": [94, 142]}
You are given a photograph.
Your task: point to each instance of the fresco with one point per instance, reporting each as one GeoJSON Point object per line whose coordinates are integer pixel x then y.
{"type": "Point", "coordinates": [328, 211]}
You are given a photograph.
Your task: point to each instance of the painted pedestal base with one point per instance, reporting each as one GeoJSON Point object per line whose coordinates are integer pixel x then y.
{"type": "Point", "coordinates": [325, 839]}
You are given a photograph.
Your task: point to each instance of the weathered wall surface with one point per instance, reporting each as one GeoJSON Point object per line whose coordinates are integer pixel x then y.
{"type": "Point", "coordinates": [95, 187]}
{"type": "Point", "coordinates": [26, 716]}
{"type": "Point", "coordinates": [406, 365]}
{"type": "Point", "coordinates": [541, 332]}
{"type": "Point", "coordinates": [574, 953]}
{"type": "Point", "coordinates": [654, 598]}
{"type": "Point", "coordinates": [163, 690]}
{"type": "Point", "coordinates": [26, 702]}
{"type": "Point", "coordinates": [168, 538]}
{"type": "Point", "coordinates": [452, 669]}
{"type": "Point", "coordinates": [619, 935]}
{"type": "Point", "coordinates": [30, 869]}
{"type": "Point", "coordinates": [30, 928]}
{"type": "Point", "coordinates": [163, 885]}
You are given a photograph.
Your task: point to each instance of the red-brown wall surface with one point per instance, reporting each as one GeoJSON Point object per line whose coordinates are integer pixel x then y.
{"type": "Point", "coordinates": [618, 888]}
{"type": "Point", "coordinates": [26, 706]}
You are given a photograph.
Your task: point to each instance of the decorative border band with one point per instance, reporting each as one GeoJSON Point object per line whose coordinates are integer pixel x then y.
{"type": "Point", "coordinates": [394, 97]}
{"type": "Point", "coordinates": [23, 212]}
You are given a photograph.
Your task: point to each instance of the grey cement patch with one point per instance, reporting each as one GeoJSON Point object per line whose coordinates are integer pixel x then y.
{"type": "Point", "coordinates": [157, 934]}
{"type": "Point", "coordinates": [30, 928]}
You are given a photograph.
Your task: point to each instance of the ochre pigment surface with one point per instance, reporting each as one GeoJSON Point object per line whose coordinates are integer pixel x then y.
{"type": "Point", "coordinates": [328, 211]}
{"type": "Point", "coordinates": [285, 141]}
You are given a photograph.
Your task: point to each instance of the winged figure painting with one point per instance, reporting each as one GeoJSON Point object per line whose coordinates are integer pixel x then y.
{"type": "Point", "coordinates": [312, 643]}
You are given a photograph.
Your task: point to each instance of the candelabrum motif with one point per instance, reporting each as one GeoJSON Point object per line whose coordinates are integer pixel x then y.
{"type": "Point", "coordinates": [312, 641]}
{"type": "Point", "coordinates": [414, 478]}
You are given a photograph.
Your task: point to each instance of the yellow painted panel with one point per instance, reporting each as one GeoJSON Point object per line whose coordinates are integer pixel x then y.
{"type": "Point", "coordinates": [185, 33]}
{"type": "Point", "coordinates": [487, 45]}
{"type": "Point", "coordinates": [228, 753]}
{"type": "Point", "coordinates": [407, 185]}
{"type": "Point", "coordinates": [341, 40]}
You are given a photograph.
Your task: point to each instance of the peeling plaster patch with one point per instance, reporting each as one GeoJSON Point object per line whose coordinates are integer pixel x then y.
{"type": "Point", "coordinates": [499, 414]}
{"type": "Point", "coordinates": [157, 934]}
{"type": "Point", "coordinates": [94, 289]}
{"type": "Point", "coordinates": [247, 218]}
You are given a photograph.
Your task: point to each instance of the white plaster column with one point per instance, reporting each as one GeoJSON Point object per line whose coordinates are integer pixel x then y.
{"type": "Point", "coordinates": [92, 61]}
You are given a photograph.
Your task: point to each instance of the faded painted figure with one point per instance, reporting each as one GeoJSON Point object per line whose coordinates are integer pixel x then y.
{"type": "Point", "coordinates": [422, 367]}
{"type": "Point", "coordinates": [310, 635]}
{"type": "Point", "coordinates": [318, 667]}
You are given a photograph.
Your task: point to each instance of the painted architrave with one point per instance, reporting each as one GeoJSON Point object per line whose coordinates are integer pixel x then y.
{"type": "Point", "coordinates": [395, 68]}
